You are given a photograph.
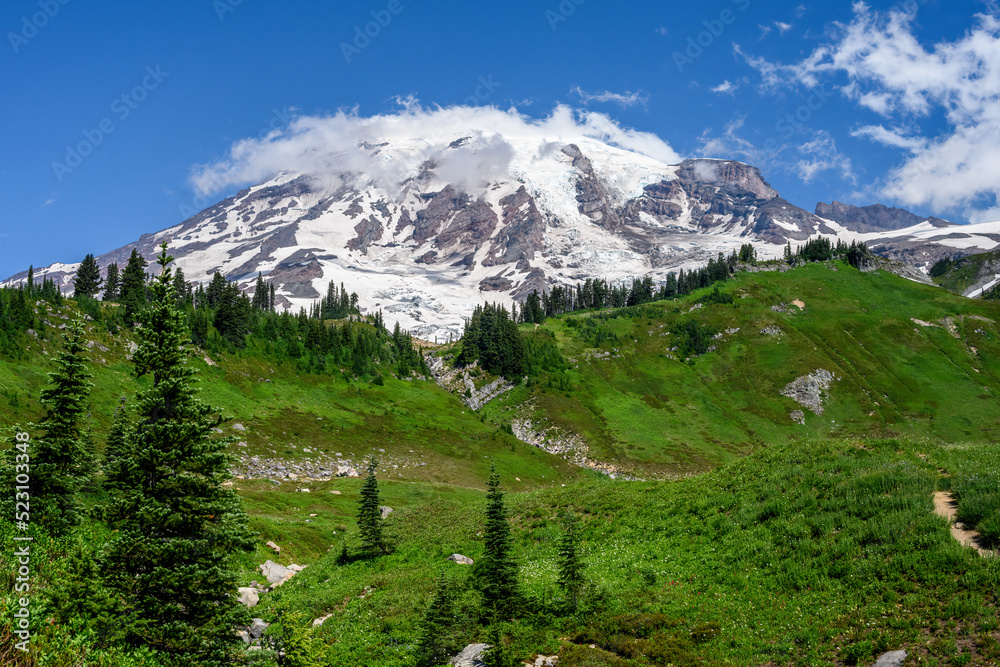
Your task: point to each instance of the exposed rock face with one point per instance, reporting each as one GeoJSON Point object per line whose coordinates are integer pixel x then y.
{"type": "Point", "coordinates": [872, 218]}
{"type": "Point", "coordinates": [427, 249]}
{"type": "Point", "coordinates": [471, 656]}
{"type": "Point", "coordinates": [808, 390]}
{"type": "Point", "coordinates": [731, 176]}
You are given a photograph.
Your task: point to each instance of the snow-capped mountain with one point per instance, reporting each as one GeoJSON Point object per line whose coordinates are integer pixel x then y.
{"type": "Point", "coordinates": [428, 244]}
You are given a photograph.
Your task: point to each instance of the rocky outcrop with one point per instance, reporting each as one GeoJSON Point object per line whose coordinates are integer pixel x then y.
{"type": "Point", "coordinates": [808, 390]}
{"type": "Point", "coordinates": [593, 198]}
{"type": "Point", "coordinates": [521, 230]}
{"type": "Point", "coordinates": [730, 175]}
{"type": "Point", "coordinates": [873, 218]}
{"type": "Point", "coordinates": [471, 656]}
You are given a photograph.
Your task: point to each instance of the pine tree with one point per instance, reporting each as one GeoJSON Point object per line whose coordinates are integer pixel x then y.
{"type": "Point", "coordinates": [369, 514]}
{"type": "Point", "coordinates": [496, 572]}
{"type": "Point", "coordinates": [133, 290]}
{"type": "Point", "coordinates": [570, 564]}
{"type": "Point", "coordinates": [88, 278]}
{"type": "Point", "coordinates": [434, 645]}
{"type": "Point", "coordinates": [118, 444]}
{"type": "Point", "coordinates": [176, 524]}
{"type": "Point", "coordinates": [112, 282]}
{"type": "Point", "coordinates": [30, 282]}
{"type": "Point", "coordinates": [61, 459]}
{"type": "Point", "coordinates": [498, 655]}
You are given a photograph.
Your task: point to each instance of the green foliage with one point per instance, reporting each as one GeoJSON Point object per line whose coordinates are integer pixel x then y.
{"type": "Point", "coordinates": [295, 642]}
{"type": "Point", "coordinates": [693, 338]}
{"type": "Point", "coordinates": [112, 282]}
{"type": "Point", "coordinates": [61, 458]}
{"type": "Point", "coordinates": [495, 573]}
{"type": "Point", "coordinates": [499, 654]}
{"type": "Point", "coordinates": [177, 526]}
{"type": "Point", "coordinates": [88, 278]}
{"type": "Point", "coordinates": [132, 293]}
{"type": "Point", "coordinates": [370, 516]}
{"type": "Point", "coordinates": [571, 566]}
{"type": "Point", "coordinates": [491, 338]}
{"type": "Point", "coordinates": [436, 642]}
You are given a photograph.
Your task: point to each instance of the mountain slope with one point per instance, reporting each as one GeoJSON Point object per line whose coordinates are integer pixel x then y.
{"type": "Point", "coordinates": [425, 229]}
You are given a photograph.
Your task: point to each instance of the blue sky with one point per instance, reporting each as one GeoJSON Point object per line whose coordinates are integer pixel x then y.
{"type": "Point", "coordinates": [111, 108]}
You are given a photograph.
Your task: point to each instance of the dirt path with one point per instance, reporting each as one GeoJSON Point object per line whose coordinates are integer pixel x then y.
{"type": "Point", "coordinates": [946, 506]}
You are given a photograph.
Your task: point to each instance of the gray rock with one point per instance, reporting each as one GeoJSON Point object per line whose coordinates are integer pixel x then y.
{"type": "Point", "coordinates": [471, 656]}
{"type": "Point", "coordinates": [891, 659]}
{"type": "Point", "coordinates": [239, 427]}
{"type": "Point", "coordinates": [244, 635]}
{"type": "Point", "coordinates": [460, 559]}
{"type": "Point", "coordinates": [257, 628]}
{"type": "Point", "coordinates": [386, 511]}
{"type": "Point", "coordinates": [248, 596]}
{"type": "Point", "coordinates": [273, 572]}
{"type": "Point", "coordinates": [807, 390]}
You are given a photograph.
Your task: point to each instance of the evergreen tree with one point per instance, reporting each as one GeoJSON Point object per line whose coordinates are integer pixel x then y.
{"type": "Point", "coordinates": [369, 514]}
{"type": "Point", "coordinates": [496, 572]}
{"type": "Point", "coordinates": [88, 278]}
{"type": "Point", "coordinates": [176, 523]}
{"type": "Point", "coordinates": [570, 564]}
{"type": "Point", "coordinates": [181, 287]}
{"type": "Point", "coordinates": [118, 442]}
{"type": "Point", "coordinates": [260, 294]}
{"type": "Point", "coordinates": [434, 645]}
{"type": "Point", "coordinates": [133, 290]}
{"type": "Point", "coordinates": [30, 281]}
{"type": "Point", "coordinates": [61, 459]}
{"type": "Point", "coordinates": [112, 283]}
{"type": "Point", "coordinates": [498, 655]}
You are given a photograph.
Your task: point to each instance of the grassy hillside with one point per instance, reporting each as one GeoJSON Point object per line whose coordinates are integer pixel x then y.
{"type": "Point", "coordinates": [808, 553]}
{"type": "Point", "coordinates": [640, 406]}
{"type": "Point", "coordinates": [959, 274]}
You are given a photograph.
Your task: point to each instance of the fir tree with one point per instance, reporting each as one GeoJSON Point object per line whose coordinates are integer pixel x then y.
{"type": "Point", "coordinates": [118, 443]}
{"type": "Point", "coordinates": [30, 282]}
{"type": "Point", "coordinates": [434, 645]}
{"type": "Point", "coordinates": [88, 278]}
{"type": "Point", "coordinates": [133, 289]}
{"type": "Point", "coordinates": [112, 282]}
{"type": "Point", "coordinates": [61, 459]}
{"type": "Point", "coordinates": [496, 572]}
{"type": "Point", "coordinates": [570, 565]}
{"type": "Point", "coordinates": [176, 523]}
{"type": "Point", "coordinates": [369, 514]}
{"type": "Point", "coordinates": [498, 655]}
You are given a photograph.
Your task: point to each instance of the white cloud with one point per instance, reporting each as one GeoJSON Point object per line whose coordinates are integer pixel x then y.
{"type": "Point", "coordinates": [661, 30]}
{"type": "Point", "coordinates": [805, 158]}
{"type": "Point", "coordinates": [800, 11]}
{"type": "Point", "coordinates": [626, 99]}
{"type": "Point", "coordinates": [764, 30]}
{"type": "Point", "coordinates": [948, 166]}
{"type": "Point", "coordinates": [728, 87]}
{"type": "Point", "coordinates": [49, 202]}
{"type": "Point", "coordinates": [340, 145]}
{"type": "Point", "coordinates": [782, 27]}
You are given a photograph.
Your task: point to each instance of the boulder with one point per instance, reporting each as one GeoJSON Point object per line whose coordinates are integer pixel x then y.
{"type": "Point", "coordinates": [471, 656]}
{"type": "Point", "coordinates": [273, 572]}
{"type": "Point", "coordinates": [546, 661]}
{"type": "Point", "coordinates": [321, 620]}
{"type": "Point", "coordinates": [274, 547]}
{"type": "Point", "coordinates": [244, 635]}
{"type": "Point", "coordinates": [257, 627]}
{"type": "Point", "coordinates": [239, 427]}
{"type": "Point", "coordinates": [460, 559]}
{"type": "Point", "coordinates": [386, 511]}
{"type": "Point", "coordinates": [891, 659]}
{"type": "Point", "coordinates": [248, 596]}
{"type": "Point", "coordinates": [336, 493]}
